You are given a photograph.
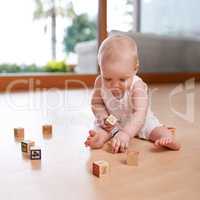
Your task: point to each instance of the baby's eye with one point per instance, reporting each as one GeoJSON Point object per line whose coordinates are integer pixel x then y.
{"type": "Point", "coordinates": [107, 79]}
{"type": "Point", "coordinates": [122, 79]}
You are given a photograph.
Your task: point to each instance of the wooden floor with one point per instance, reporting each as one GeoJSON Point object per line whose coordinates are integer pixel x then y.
{"type": "Point", "coordinates": [64, 171]}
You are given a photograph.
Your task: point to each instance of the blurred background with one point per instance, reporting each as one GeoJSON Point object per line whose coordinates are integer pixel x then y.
{"type": "Point", "coordinates": [40, 36]}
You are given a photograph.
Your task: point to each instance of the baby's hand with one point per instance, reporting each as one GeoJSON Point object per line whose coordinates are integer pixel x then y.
{"type": "Point", "coordinates": [120, 142]}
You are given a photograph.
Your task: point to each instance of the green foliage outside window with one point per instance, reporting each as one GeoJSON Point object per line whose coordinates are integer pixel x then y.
{"type": "Point", "coordinates": [51, 66]}
{"type": "Point", "coordinates": [82, 29]}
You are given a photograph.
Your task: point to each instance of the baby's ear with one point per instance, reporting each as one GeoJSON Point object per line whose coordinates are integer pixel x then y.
{"type": "Point", "coordinates": [137, 65]}
{"type": "Point", "coordinates": [136, 70]}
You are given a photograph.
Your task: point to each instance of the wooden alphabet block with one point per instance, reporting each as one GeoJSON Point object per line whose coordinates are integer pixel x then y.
{"type": "Point", "coordinates": [26, 145]}
{"type": "Point", "coordinates": [47, 129]}
{"type": "Point", "coordinates": [19, 133]}
{"type": "Point", "coordinates": [132, 158]}
{"type": "Point", "coordinates": [35, 153]}
{"type": "Point", "coordinates": [111, 119]}
{"type": "Point", "coordinates": [100, 168]}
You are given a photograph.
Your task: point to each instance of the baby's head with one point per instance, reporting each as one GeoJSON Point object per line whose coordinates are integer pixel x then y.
{"type": "Point", "coordinates": [118, 61]}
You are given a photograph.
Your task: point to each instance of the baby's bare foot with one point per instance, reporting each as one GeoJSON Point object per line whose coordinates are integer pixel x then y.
{"type": "Point", "coordinates": [96, 140]}
{"type": "Point", "coordinates": [168, 142]}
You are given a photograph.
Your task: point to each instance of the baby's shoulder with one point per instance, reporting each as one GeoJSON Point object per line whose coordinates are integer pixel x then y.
{"type": "Point", "coordinates": [138, 83]}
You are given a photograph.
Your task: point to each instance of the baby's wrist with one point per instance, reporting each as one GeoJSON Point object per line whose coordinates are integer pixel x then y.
{"type": "Point", "coordinates": [115, 130]}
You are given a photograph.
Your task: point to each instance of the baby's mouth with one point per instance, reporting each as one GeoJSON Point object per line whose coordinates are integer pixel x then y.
{"type": "Point", "coordinates": [117, 93]}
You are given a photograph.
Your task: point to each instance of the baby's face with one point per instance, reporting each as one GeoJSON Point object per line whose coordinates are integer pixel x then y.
{"type": "Point", "coordinates": [117, 76]}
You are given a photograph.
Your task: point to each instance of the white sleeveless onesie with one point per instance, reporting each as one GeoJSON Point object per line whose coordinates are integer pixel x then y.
{"type": "Point", "coordinates": [122, 109]}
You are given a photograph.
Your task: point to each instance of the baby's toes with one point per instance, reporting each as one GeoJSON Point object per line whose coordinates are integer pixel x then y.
{"type": "Point", "coordinates": [166, 141]}
{"type": "Point", "coordinates": [87, 143]}
{"type": "Point", "coordinates": [157, 143]}
{"type": "Point", "coordinates": [91, 140]}
{"type": "Point", "coordinates": [169, 140]}
{"type": "Point", "coordinates": [160, 142]}
{"type": "Point", "coordinates": [92, 133]}
{"type": "Point", "coordinates": [89, 137]}
{"type": "Point", "coordinates": [163, 141]}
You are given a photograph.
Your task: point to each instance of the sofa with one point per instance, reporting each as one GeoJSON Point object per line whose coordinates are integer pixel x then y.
{"type": "Point", "coordinates": [157, 53]}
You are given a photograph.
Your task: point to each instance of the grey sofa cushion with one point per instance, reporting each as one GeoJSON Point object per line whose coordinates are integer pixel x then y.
{"type": "Point", "coordinates": [166, 54]}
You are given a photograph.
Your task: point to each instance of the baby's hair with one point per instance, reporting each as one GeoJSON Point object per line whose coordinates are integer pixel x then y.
{"type": "Point", "coordinates": [112, 47]}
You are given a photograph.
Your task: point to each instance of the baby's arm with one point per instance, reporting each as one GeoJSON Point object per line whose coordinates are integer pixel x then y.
{"type": "Point", "coordinates": [139, 101]}
{"type": "Point", "coordinates": [97, 103]}
{"type": "Point", "coordinates": [98, 136]}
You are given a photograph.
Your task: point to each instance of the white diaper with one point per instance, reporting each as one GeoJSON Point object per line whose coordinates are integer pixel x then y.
{"type": "Point", "coordinates": [151, 122]}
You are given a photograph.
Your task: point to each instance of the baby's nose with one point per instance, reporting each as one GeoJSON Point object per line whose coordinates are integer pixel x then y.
{"type": "Point", "coordinates": [115, 84]}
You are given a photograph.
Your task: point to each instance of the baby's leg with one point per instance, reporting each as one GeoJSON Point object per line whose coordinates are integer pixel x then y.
{"type": "Point", "coordinates": [97, 138]}
{"type": "Point", "coordinates": [161, 136]}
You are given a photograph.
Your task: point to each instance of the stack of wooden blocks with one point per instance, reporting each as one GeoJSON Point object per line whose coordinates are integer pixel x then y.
{"type": "Point", "coordinates": [28, 147]}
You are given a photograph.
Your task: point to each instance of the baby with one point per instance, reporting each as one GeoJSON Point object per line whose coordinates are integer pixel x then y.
{"type": "Point", "coordinates": [120, 92]}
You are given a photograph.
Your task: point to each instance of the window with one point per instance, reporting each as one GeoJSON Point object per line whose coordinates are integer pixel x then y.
{"type": "Point", "coordinates": [48, 36]}
{"type": "Point", "coordinates": [169, 17]}
{"type": "Point", "coordinates": [120, 15]}
{"type": "Point", "coordinates": [172, 32]}
{"type": "Point", "coordinates": [167, 32]}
